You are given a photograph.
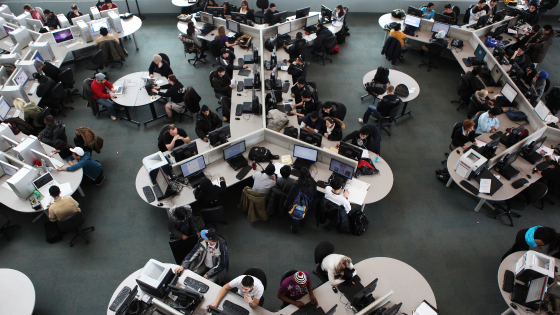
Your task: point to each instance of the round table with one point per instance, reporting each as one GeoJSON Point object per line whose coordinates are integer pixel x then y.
{"type": "Point", "coordinates": [183, 3]}
{"type": "Point", "coordinates": [17, 294]}
{"type": "Point", "coordinates": [130, 27]}
{"type": "Point", "coordinates": [395, 78]}
{"type": "Point", "coordinates": [386, 19]}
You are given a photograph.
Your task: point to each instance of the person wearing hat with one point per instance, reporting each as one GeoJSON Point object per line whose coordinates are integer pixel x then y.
{"type": "Point", "coordinates": [99, 88]}
{"type": "Point", "coordinates": [209, 258]}
{"type": "Point", "coordinates": [293, 49]}
{"type": "Point", "coordinates": [74, 13]}
{"type": "Point", "coordinates": [339, 268]}
{"type": "Point", "coordinates": [108, 5]}
{"type": "Point", "coordinates": [160, 66]}
{"type": "Point", "coordinates": [227, 57]}
{"type": "Point", "coordinates": [207, 121]}
{"type": "Point", "coordinates": [249, 287]}
{"type": "Point", "coordinates": [93, 171]}
{"type": "Point", "coordinates": [61, 208]}
{"type": "Point", "coordinates": [539, 82]}
{"type": "Point", "coordinates": [47, 68]}
{"type": "Point", "coordinates": [264, 180]}
{"type": "Point", "coordinates": [294, 288]}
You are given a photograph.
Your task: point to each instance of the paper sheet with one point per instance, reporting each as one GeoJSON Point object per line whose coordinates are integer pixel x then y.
{"type": "Point", "coordinates": [277, 167]}
{"type": "Point", "coordinates": [230, 34]}
{"type": "Point", "coordinates": [480, 143]}
{"type": "Point", "coordinates": [216, 182]}
{"type": "Point", "coordinates": [424, 309]}
{"type": "Point", "coordinates": [365, 154]}
{"type": "Point", "coordinates": [485, 186]}
{"type": "Point", "coordinates": [233, 82]}
{"type": "Point", "coordinates": [65, 190]}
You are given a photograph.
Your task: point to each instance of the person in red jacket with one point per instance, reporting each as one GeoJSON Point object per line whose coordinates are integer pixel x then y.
{"type": "Point", "coordinates": [108, 5]}
{"type": "Point", "coordinates": [99, 88]}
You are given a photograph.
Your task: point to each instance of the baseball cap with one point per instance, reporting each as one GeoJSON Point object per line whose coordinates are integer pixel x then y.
{"type": "Point", "coordinates": [209, 234]}
{"type": "Point", "coordinates": [78, 151]}
{"type": "Point", "coordinates": [37, 63]}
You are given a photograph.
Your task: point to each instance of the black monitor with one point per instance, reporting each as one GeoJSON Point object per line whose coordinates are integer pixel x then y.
{"type": "Point", "coordinates": [515, 72]}
{"type": "Point", "coordinates": [414, 11]}
{"type": "Point", "coordinates": [185, 296]}
{"type": "Point", "coordinates": [279, 17]}
{"type": "Point", "coordinates": [521, 16]}
{"type": "Point", "coordinates": [234, 150]}
{"type": "Point", "coordinates": [207, 18]}
{"type": "Point", "coordinates": [255, 53]}
{"type": "Point", "coordinates": [256, 106]}
{"type": "Point", "coordinates": [233, 26]}
{"type": "Point", "coordinates": [350, 151]}
{"type": "Point", "coordinates": [341, 169]}
{"type": "Point", "coordinates": [185, 151]}
{"type": "Point", "coordinates": [362, 296]}
{"type": "Point", "coordinates": [442, 18]}
{"type": "Point", "coordinates": [500, 30]}
{"type": "Point", "coordinates": [302, 12]}
{"type": "Point", "coordinates": [482, 21]}
{"type": "Point", "coordinates": [499, 16]}
{"type": "Point", "coordinates": [216, 11]}
{"type": "Point", "coordinates": [535, 145]}
{"type": "Point", "coordinates": [489, 150]}
{"type": "Point", "coordinates": [239, 17]}
{"type": "Point", "coordinates": [326, 13]}
{"type": "Point", "coordinates": [310, 137]}
{"type": "Point", "coordinates": [214, 136]}
{"type": "Point", "coordinates": [510, 158]}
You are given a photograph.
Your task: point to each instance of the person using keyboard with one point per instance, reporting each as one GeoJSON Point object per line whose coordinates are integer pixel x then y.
{"type": "Point", "coordinates": [61, 208]}
{"type": "Point", "coordinates": [488, 122]}
{"type": "Point", "coordinates": [297, 68]}
{"type": "Point", "coordinates": [322, 33]}
{"type": "Point", "coordinates": [312, 122]}
{"type": "Point", "coordinates": [175, 93]}
{"type": "Point", "coordinates": [221, 82]}
{"type": "Point", "coordinates": [518, 56]}
{"type": "Point", "coordinates": [207, 121]}
{"type": "Point", "coordinates": [265, 180]}
{"type": "Point", "coordinates": [54, 129]}
{"type": "Point", "coordinates": [160, 66]}
{"type": "Point", "coordinates": [48, 69]}
{"type": "Point", "coordinates": [480, 102]}
{"type": "Point", "coordinates": [293, 49]}
{"type": "Point", "coordinates": [294, 288]}
{"type": "Point", "coordinates": [105, 36]}
{"type": "Point", "coordinates": [249, 287]}
{"type": "Point", "coordinates": [538, 237]}
{"type": "Point", "coordinates": [209, 258]}
{"type": "Point", "coordinates": [269, 14]}
{"type": "Point", "coordinates": [182, 228]}
{"type": "Point", "coordinates": [99, 88]}
{"type": "Point", "coordinates": [339, 268]}
{"type": "Point", "coordinates": [227, 58]}
{"type": "Point", "coordinates": [463, 135]}
{"type": "Point", "coordinates": [362, 138]}
{"type": "Point", "coordinates": [300, 86]}
{"type": "Point", "coordinates": [308, 106]}
{"type": "Point", "coordinates": [335, 194]}
{"type": "Point", "coordinates": [210, 195]}
{"type": "Point", "coordinates": [93, 171]}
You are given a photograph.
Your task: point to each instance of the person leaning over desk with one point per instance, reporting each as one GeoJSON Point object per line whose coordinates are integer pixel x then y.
{"type": "Point", "coordinates": [285, 182]}
{"type": "Point", "coordinates": [227, 9]}
{"type": "Point", "coordinates": [308, 105]}
{"type": "Point", "coordinates": [322, 34]}
{"type": "Point", "coordinates": [52, 21]}
{"type": "Point", "coordinates": [339, 268]}
{"type": "Point", "coordinates": [48, 69]}
{"type": "Point", "coordinates": [160, 66]}
{"type": "Point", "coordinates": [300, 86]}
{"type": "Point", "coordinates": [521, 42]}
{"type": "Point", "coordinates": [249, 287]}
{"type": "Point", "coordinates": [175, 137]}
{"type": "Point", "coordinates": [333, 194]}
{"type": "Point", "coordinates": [206, 121]}
{"type": "Point", "coordinates": [61, 208]}
{"type": "Point", "coordinates": [34, 14]}
{"type": "Point", "coordinates": [293, 49]}
{"type": "Point", "coordinates": [297, 68]}
{"type": "Point", "coordinates": [536, 236]}
{"type": "Point", "coordinates": [227, 57]}
{"type": "Point", "coordinates": [183, 234]}
{"type": "Point", "coordinates": [54, 129]}
{"type": "Point", "coordinates": [174, 95]}
{"type": "Point", "coordinates": [210, 195]}
{"type": "Point", "coordinates": [488, 121]}
{"type": "Point", "coordinates": [448, 11]}
{"type": "Point", "coordinates": [74, 13]}
{"type": "Point", "coordinates": [518, 56]}
{"type": "Point", "coordinates": [265, 180]}
{"type": "Point", "coordinates": [93, 170]}
{"type": "Point", "coordinates": [463, 135]}
{"type": "Point", "coordinates": [293, 288]}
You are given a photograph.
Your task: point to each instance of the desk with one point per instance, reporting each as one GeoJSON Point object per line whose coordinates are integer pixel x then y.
{"type": "Point", "coordinates": [183, 3]}
{"type": "Point", "coordinates": [16, 293]}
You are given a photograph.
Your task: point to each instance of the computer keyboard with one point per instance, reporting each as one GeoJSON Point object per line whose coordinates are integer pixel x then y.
{"type": "Point", "coordinates": [73, 44]}
{"type": "Point", "coordinates": [468, 186]}
{"type": "Point", "coordinates": [120, 298]}
{"type": "Point", "coordinates": [240, 61]}
{"type": "Point", "coordinates": [321, 184]}
{"type": "Point", "coordinates": [148, 193]}
{"type": "Point", "coordinates": [295, 172]}
{"type": "Point", "coordinates": [243, 172]}
{"type": "Point", "coordinates": [285, 87]}
{"type": "Point", "coordinates": [234, 308]}
{"type": "Point", "coordinates": [308, 308]}
{"type": "Point", "coordinates": [509, 280]}
{"type": "Point", "coordinates": [240, 86]}
{"type": "Point", "coordinates": [496, 135]}
{"type": "Point", "coordinates": [196, 285]}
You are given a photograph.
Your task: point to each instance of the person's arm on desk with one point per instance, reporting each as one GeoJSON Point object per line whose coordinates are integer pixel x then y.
{"type": "Point", "coordinates": [223, 291]}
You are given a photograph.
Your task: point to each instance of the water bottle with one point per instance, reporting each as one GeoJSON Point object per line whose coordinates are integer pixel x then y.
{"type": "Point", "coordinates": [377, 158]}
{"type": "Point", "coordinates": [37, 194]}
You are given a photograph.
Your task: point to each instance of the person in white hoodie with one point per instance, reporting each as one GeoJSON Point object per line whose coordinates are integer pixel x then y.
{"type": "Point", "coordinates": [335, 265]}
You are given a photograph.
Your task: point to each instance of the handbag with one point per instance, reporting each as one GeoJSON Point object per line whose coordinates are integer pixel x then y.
{"type": "Point", "coordinates": [365, 167]}
{"type": "Point", "coordinates": [457, 43]}
{"type": "Point", "coordinates": [402, 90]}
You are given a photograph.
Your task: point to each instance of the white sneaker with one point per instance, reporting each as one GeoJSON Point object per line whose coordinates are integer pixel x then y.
{"type": "Point", "coordinates": [113, 118]}
{"type": "Point", "coordinates": [361, 120]}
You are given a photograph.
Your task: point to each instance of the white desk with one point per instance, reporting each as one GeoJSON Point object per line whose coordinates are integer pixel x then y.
{"type": "Point", "coordinates": [183, 3]}
{"type": "Point", "coordinates": [17, 294]}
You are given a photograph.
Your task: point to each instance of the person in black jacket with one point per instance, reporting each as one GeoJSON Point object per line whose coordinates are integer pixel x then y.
{"type": "Point", "coordinates": [293, 49]}
{"type": "Point", "coordinates": [174, 137]}
{"type": "Point", "coordinates": [182, 228]}
{"type": "Point", "coordinates": [539, 236]}
{"type": "Point", "coordinates": [334, 109]}
{"type": "Point", "coordinates": [73, 13]}
{"type": "Point", "coordinates": [48, 69]}
{"type": "Point", "coordinates": [227, 58]}
{"type": "Point", "coordinates": [529, 74]}
{"type": "Point", "coordinates": [206, 121]}
{"type": "Point", "coordinates": [533, 16]}
{"type": "Point", "coordinates": [521, 42]}
{"type": "Point", "coordinates": [210, 195]}
{"type": "Point", "coordinates": [174, 94]}
{"type": "Point", "coordinates": [331, 130]}
{"type": "Point", "coordinates": [300, 86]}
{"type": "Point", "coordinates": [360, 138]}
{"type": "Point", "coordinates": [54, 130]}
{"type": "Point", "coordinates": [552, 173]}
{"type": "Point", "coordinates": [297, 68]}
{"type": "Point", "coordinates": [222, 83]}
{"type": "Point", "coordinates": [463, 135]}
{"type": "Point", "coordinates": [308, 105]}
{"type": "Point", "coordinates": [322, 33]}
{"type": "Point", "coordinates": [44, 90]}
{"type": "Point", "coordinates": [160, 66]}
{"type": "Point", "coordinates": [269, 14]}
{"type": "Point", "coordinates": [472, 79]}
{"type": "Point", "coordinates": [385, 105]}
{"type": "Point", "coordinates": [52, 21]}
{"type": "Point", "coordinates": [479, 102]}
{"type": "Point", "coordinates": [518, 56]}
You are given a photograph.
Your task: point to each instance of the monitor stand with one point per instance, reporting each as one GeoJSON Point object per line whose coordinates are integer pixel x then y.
{"type": "Point", "coordinates": [301, 163]}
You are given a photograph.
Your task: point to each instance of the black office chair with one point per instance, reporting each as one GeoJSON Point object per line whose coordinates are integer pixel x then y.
{"type": "Point", "coordinates": [345, 28]}
{"type": "Point", "coordinates": [67, 79]}
{"type": "Point", "coordinates": [322, 250]}
{"type": "Point", "coordinates": [475, 119]}
{"type": "Point", "coordinates": [263, 5]}
{"type": "Point", "coordinates": [97, 63]}
{"type": "Point", "coordinates": [5, 225]}
{"type": "Point", "coordinates": [463, 84]}
{"type": "Point", "coordinates": [457, 125]}
{"type": "Point", "coordinates": [434, 50]}
{"type": "Point", "coordinates": [457, 11]}
{"type": "Point", "coordinates": [211, 216]}
{"type": "Point", "coordinates": [217, 95]}
{"type": "Point", "coordinates": [546, 86]}
{"type": "Point", "coordinates": [532, 194]}
{"type": "Point", "coordinates": [58, 93]}
{"type": "Point", "coordinates": [226, 101]}
{"type": "Point", "coordinates": [467, 15]}
{"type": "Point", "coordinates": [166, 58]}
{"type": "Point", "coordinates": [386, 121]}
{"type": "Point", "coordinates": [303, 50]}
{"type": "Point", "coordinates": [41, 118]}
{"type": "Point", "coordinates": [328, 45]}
{"type": "Point", "coordinates": [552, 189]}
{"type": "Point", "coordinates": [72, 224]}
{"type": "Point", "coordinates": [473, 107]}
{"type": "Point", "coordinates": [259, 274]}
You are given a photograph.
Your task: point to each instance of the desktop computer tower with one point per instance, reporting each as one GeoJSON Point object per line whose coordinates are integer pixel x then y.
{"type": "Point", "coordinates": [21, 18]}
{"type": "Point", "coordinates": [44, 48]}
{"type": "Point", "coordinates": [21, 36]}
{"type": "Point", "coordinates": [5, 130]}
{"type": "Point", "coordinates": [22, 182]}
{"type": "Point", "coordinates": [115, 22]}
{"type": "Point", "coordinates": [24, 149]}
{"type": "Point", "coordinates": [85, 32]}
{"type": "Point", "coordinates": [11, 92]}
{"type": "Point", "coordinates": [63, 21]}
{"type": "Point", "coordinates": [5, 9]}
{"type": "Point", "coordinates": [95, 13]}
{"type": "Point", "coordinates": [2, 30]}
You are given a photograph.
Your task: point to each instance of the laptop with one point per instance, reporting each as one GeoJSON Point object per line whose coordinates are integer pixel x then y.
{"type": "Point", "coordinates": [120, 89]}
{"type": "Point", "coordinates": [233, 155]}
{"type": "Point", "coordinates": [529, 296]}
{"type": "Point", "coordinates": [43, 183]}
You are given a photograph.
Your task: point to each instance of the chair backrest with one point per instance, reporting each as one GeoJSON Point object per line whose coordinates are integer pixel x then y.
{"type": "Point", "coordinates": [287, 274]}
{"type": "Point", "coordinates": [329, 43]}
{"type": "Point", "coordinates": [434, 49]}
{"type": "Point", "coordinates": [212, 214]}
{"type": "Point", "coordinates": [66, 77]}
{"type": "Point", "coordinates": [536, 191]}
{"type": "Point", "coordinates": [457, 125]}
{"type": "Point", "coordinates": [547, 85]}
{"type": "Point", "coordinates": [262, 4]}
{"type": "Point", "coordinates": [322, 250]}
{"type": "Point", "coordinates": [189, 46]}
{"type": "Point", "coordinates": [257, 273]}
{"type": "Point", "coordinates": [212, 74]}
{"type": "Point", "coordinates": [165, 57]}
{"type": "Point", "coordinates": [395, 111]}
{"type": "Point", "coordinates": [475, 119]}
{"type": "Point", "coordinates": [40, 11]}
{"type": "Point", "coordinates": [58, 91]}
{"type": "Point", "coordinates": [97, 58]}
{"type": "Point", "coordinates": [457, 11]}
{"type": "Point", "coordinates": [46, 112]}
{"type": "Point", "coordinates": [71, 222]}
{"type": "Point", "coordinates": [161, 145]}
{"type": "Point", "coordinates": [468, 14]}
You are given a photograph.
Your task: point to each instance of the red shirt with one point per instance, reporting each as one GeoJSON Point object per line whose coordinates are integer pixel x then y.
{"type": "Point", "coordinates": [105, 7]}
{"type": "Point", "coordinates": [99, 90]}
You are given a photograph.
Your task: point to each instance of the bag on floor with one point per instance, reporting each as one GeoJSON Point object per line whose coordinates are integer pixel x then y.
{"type": "Point", "coordinates": [443, 175]}
{"type": "Point", "coordinates": [335, 50]}
{"type": "Point", "coordinates": [358, 223]}
{"type": "Point", "coordinates": [291, 132]}
{"type": "Point", "coordinates": [382, 75]}
{"type": "Point", "coordinates": [52, 232]}
{"type": "Point", "coordinates": [261, 154]}
{"type": "Point", "coordinates": [340, 38]}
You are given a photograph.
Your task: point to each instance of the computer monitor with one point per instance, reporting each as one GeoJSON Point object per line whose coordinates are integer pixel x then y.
{"type": "Point", "coordinates": [234, 150]}
{"type": "Point", "coordinates": [34, 25]}
{"type": "Point", "coordinates": [326, 13]}
{"type": "Point", "coordinates": [238, 17]}
{"type": "Point", "coordinates": [443, 18]}
{"type": "Point", "coordinates": [305, 153]}
{"type": "Point", "coordinates": [482, 21]}
{"type": "Point", "coordinates": [279, 17]}
{"type": "Point", "coordinates": [537, 144]}
{"type": "Point", "coordinates": [86, 18]}
{"type": "Point", "coordinates": [45, 159]}
{"type": "Point", "coordinates": [500, 30]}
{"type": "Point", "coordinates": [496, 73]}
{"type": "Point", "coordinates": [105, 13]}
{"type": "Point", "coordinates": [480, 53]}
{"type": "Point", "coordinates": [8, 29]}
{"type": "Point", "coordinates": [312, 20]}
{"type": "Point", "coordinates": [310, 137]}
{"type": "Point", "coordinates": [4, 108]}
{"type": "Point", "coordinates": [512, 22]}
{"type": "Point", "coordinates": [20, 78]}
{"type": "Point", "coordinates": [185, 295]}
{"type": "Point", "coordinates": [302, 12]}
{"type": "Point", "coordinates": [489, 150]}
{"type": "Point", "coordinates": [214, 136]}
{"type": "Point", "coordinates": [96, 25]}
{"type": "Point", "coordinates": [515, 72]}
{"type": "Point", "coordinates": [11, 142]}
{"type": "Point", "coordinates": [154, 278]}
{"type": "Point", "coordinates": [284, 28]}
{"type": "Point", "coordinates": [215, 11]}
{"type": "Point", "coordinates": [437, 27]}
{"type": "Point", "coordinates": [499, 16]}
{"type": "Point", "coordinates": [341, 169]}
{"type": "Point", "coordinates": [8, 169]}
{"type": "Point", "coordinates": [233, 26]}
{"type": "Point", "coordinates": [510, 158]}
{"type": "Point", "coordinates": [350, 151]}
{"type": "Point", "coordinates": [376, 305]}
{"type": "Point", "coordinates": [185, 151]}
{"type": "Point", "coordinates": [414, 11]}
{"type": "Point", "coordinates": [10, 18]}
{"type": "Point", "coordinates": [162, 181]}
{"type": "Point", "coordinates": [412, 20]}
{"type": "Point", "coordinates": [363, 294]}
{"type": "Point", "coordinates": [62, 35]}
{"type": "Point", "coordinates": [207, 18]}
{"type": "Point", "coordinates": [37, 55]}
{"type": "Point", "coordinates": [509, 92]}
{"type": "Point", "coordinates": [193, 166]}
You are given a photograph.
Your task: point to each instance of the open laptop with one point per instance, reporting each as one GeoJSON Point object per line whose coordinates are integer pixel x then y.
{"type": "Point", "coordinates": [531, 295]}
{"type": "Point", "coordinates": [43, 183]}
{"type": "Point", "coordinates": [234, 155]}
{"type": "Point", "coordinates": [192, 170]}
{"type": "Point", "coordinates": [120, 89]}
{"type": "Point", "coordinates": [305, 157]}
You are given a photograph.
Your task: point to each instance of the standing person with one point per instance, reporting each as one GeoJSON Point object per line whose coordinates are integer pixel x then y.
{"type": "Point", "coordinates": [448, 11]}
{"type": "Point", "coordinates": [160, 66]}
{"type": "Point", "coordinates": [463, 135]}
{"type": "Point", "coordinates": [539, 44]}
{"type": "Point", "coordinates": [265, 180]}
{"type": "Point", "coordinates": [192, 33]}
{"type": "Point", "coordinates": [99, 88]}
{"type": "Point", "coordinates": [108, 5]}
{"type": "Point", "coordinates": [539, 82]}
{"type": "Point", "coordinates": [210, 195]}
{"type": "Point", "coordinates": [480, 9]}
{"type": "Point", "coordinates": [269, 14]}
{"type": "Point", "coordinates": [361, 138]}
{"type": "Point", "coordinates": [249, 287]}
{"type": "Point", "coordinates": [48, 69]}
{"type": "Point", "coordinates": [428, 11]}
{"type": "Point", "coordinates": [174, 137]}
{"type": "Point", "coordinates": [34, 14]}
{"type": "Point", "coordinates": [175, 94]}
{"type": "Point", "coordinates": [305, 188]}
{"type": "Point", "coordinates": [293, 288]}
{"type": "Point", "coordinates": [300, 86]}
{"type": "Point", "coordinates": [52, 21]}
{"type": "Point", "coordinates": [537, 236]}
{"type": "Point", "coordinates": [206, 121]}
{"type": "Point", "coordinates": [93, 171]}
{"type": "Point", "coordinates": [62, 148]}
{"type": "Point", "coordinates": [54, 129]}
{"type": "Point", "coordinates": [182, 229]}
{"type": "Point", "coordinates": [339, 268]}
{"type": "Point", "coordinates": [386, 104]}
{"type": "Point", "coordinates": [61, 208]}
{"type": "Point", "coordinates": [244, 8]}
{"type": "Point", "coordinates": [334, 109]}
{"type": "Point", "coordinates": [398, 34]}
{"type": "Point", "coordinates": [522, 42]}
{"type": "Point", "coordinates": [74, 13]}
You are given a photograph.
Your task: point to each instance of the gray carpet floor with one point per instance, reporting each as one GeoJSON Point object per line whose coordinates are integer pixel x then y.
{"type": "Point", "coordinates": [432, 228]}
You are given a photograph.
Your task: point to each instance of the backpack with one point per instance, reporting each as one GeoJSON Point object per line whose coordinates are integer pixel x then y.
{"type": "Point", "coordinates": [443, 175]}
{"type": "Point", "coordinates": [375, 88]}
{"type": "Point", "coordinates": [516, 115]}
{"type": "Point", "coordinates": [300, 206]}
{"type": "Point", "coordinates": [402, 90]}
{"type": "Point", "coordinates": [270, 43]}
{"type": "Point", "coordinates": [358, 223]}
{"type": "Point", "coordinates": [524, 133]}
{"type": "Point", "coordinates": [398, 13]}
{"type": "Point", "coordinates": [340, 38]}
{"type": "Point", "coordinates": [52, 232]}
{"type": "Point", "coordinates": [382, 75]}
{"type": "Point", "coordinates": [547, 5]}
{"type": "Point", "coordinates": [261, 154]}
{"type": "Point", "coordinates": [291, 131]}
{"type": "Point", "coordinates": [553, 100]}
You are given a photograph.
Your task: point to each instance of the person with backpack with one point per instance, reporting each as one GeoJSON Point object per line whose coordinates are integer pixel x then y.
{"type": "Point", "coordinates": [299, 199]}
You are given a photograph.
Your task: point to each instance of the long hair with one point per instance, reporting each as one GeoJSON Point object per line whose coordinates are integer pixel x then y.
{"type": "Point", "coordinates": [190, 28]}
{"type": "Point", "coordinates": [344, 260]}
{"type": "Point", "coordinates": [341, 10]}
{"type": "Point", "coordinates": [306, 183]}
{"type": "Point", "coordinates": [550, 237]}
{"type": "Point", "coordinates": [221, 32]}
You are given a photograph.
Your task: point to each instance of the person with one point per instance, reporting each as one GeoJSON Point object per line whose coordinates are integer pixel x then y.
{"type": "Point", "coordinates": [74, 13]}
{"type": "Point", "coordinates": [529, 74]}
{"type": "Point", "coordinates": [386, 104]}
{"type": "Point", "coordinates": [334, 109]}
{"type": "Point", "coordinates": [226, 60]}
{"type": "Point", "coordinates": [206, 121]}
{"type": "Point", "coordinates": [521, 42]}
{"type": "Point", "coordinates": [105, 36]}
{"type": "Point", "coordinates": [481, 103]}
{"type": "Point", "coordinates": [48, 69]}
{"type": "Point", "coordinates": [360, 138]}
{"type": "Point", "coordinates": [448, 11]}
{"type": "Point", "coordinates": [269, 14]}
{"type": "Point", "coordinates": [174, 137]}
{"type": "Point", "coordinates": [208, 194]}
{"type": "Point", "coordinates": [44, 90]}
{"type": "Point", "coordinates": [331, 130]}
{"type": "Point", "coordinates": [54, 129]}
{"type": "Point", "coordinates": [428, 11]}
{"type": "Point", "coordinates": [192, 33]}
{"type": "Point", "coordinates": [493, 8]}
{"type": "Point", "coordinates": [472, 79]}
{"type": "Point", "coordinates": [34, 13]}
{"type": "Point", "coordinates": [533, 16]}
{"type": "Point", "coordinates": [182, 229]}
{"type": "Point", "coordinates": [396, 33]}
{"type": "Point", "coordinates": [160, 66]}
{"type": "Point", "coordinates": [249, 287]}
{"type": "Point", "coordinates": [52, 21]}
{"type": "Point", "coordinates": [61, 208]}
{"type": "Point", "coordinates": [322, 34]}
{"type": "Point", "coordinates": [300, 86]}
{"type": "Point", "coordinates": [285, 182]}
{"type": "Point", "coordinates": [338, 268]}
{"type": "Point", "coordinates": [265, 180]}
{"type": "Point", "coordinates": [480, 9]}
{"type": "Point", "coordinates": [536, 236]}
{"type": "Point", "coordinates": [539, 44]}
{"type": "Point", "coordinates": [463, 135]}
{"type": "Point", "coordinates": [312, 122]}
{"type": "Point", "coordinates": [333, 194]}
{"type": "Point", "coordinates": [518, 56]}
{"type": "Point", "coordinates": [552, 173]}
{"type": "Point", "coordinates": [222, 37]}
{"type": "Point", "coordinates": [93, 171]}
{"type": "Point", "coordinates": [308, 187]}
{"type": "Point", "coordinates": [222, 83]}
{"type": "Point", "coordinates": [244, 8]}
{"type": "Point", "coordinates": [62, 148]}
{"type": "Point", "coordinates": [99, 88]}
{"type": "Point", "coordinates": [308, 105]}
{"type": "Point", "coordinates": [294, 48]}
{"type": "Point", "coordinates": [209, 258]}
{"type": "Point", "coordinates": [339, 14]}
{"type": "Point", "coordinates": [539, 82]}
{"type": "Point", "coordinates": [297, 68]}
{"type": "Point", "coordinates": [227, 9]}
{"type": "Point", "coordinates": [174, 94]}
{"type": "Point", "coordinates": [488, 121]}
{"type": "Point", "coordinates": [108, 5]}
{"type": "Point", "coordinates": [295, 287]}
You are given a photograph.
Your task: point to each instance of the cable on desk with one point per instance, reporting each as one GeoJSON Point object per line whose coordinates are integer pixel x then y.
{"type": "Point", "coordinates": [246, 119]}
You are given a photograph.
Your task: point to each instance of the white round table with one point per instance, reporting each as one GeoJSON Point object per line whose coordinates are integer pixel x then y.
{"type": "Point", "coordinates": [386, 19]}
{"type": "Point", "coordinates": [130, 26]}
{"type": "Point", "coordinates": [17, 294]}
{"type": "Point", "coordinates": [182, 3]}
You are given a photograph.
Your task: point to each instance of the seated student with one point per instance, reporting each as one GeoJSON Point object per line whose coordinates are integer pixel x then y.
{"type": "Point", "coordinates": [300, 86]}
{"type": "Point", "coordinates": [308, 187]}
{"type": "Point", "coordinates": [74, 13]}
{"type": "Point", "coordinates": [99, 88]}
{"type": "Point", "coordinates": [331, 130]}
{"type": "Point", "coordinates": [322, 34]}
{"type": "Point", "coordinates": [529, 73]}
{"type": "Point", "coordinates": [44, 90]}
{"type": "Point", "coordinates": [249, 287]}
{"type": "Point", "coordinates": [192, 34]}
{"type": "Point", "coordinates": [93, 171]}
{"type": "Point", "coordinates": [206, 121]}
{"type": "Point", "coordinates": [182, 229]}
{"type": "Point", "coordinates": [361, 138]}
{"type": "Point", "coordinates": [308, 105]}
{"type": "Point", "coordinates": [54, 129]}
{"type": "Point", "coordinates": [285, 182]}
{"type": "Point", "coordinates": [294, 287]}
{"type": "Point", "coordinates": [481, 103]}
{"type": "Point", "coordinates": [463, 135]}
{"type": "Point", "coordinates": [227, 9]}
{"type": "Point", "coordinates": [227, 59]}
{"type": "Point", "coordinates": [160, 66]}
{"type": "Point", "coordinates": [533, 16]}
{"type": "Point", "coordinates": [339, 268]}
{"type": "Point", "coordinates": [209, 258]}
{"type": "Point", "coordinates": [493, 8]}
{"type": "Point", "coordinates": [472, 79]}
{"type": "Point", "coordinates": [521, 42]}
{"type": "Point", "coordinates": [518, 57]}
{"type": "Point", "coordinates": [222, 83]}
{"type": "Point", "coordinates": [108, 5]}
{"type": "Point", "coordinates": [396, 33]}
{"type": "Point", "coordinates": [265, 180]}
{"type": "Point", "coordinates": [312, 122]}
{"type": "Point", "coordinates": [48, 69]}
{"type": "Point", "coordinates": [297, 68]}
{"type": "Point", "coordinates": [52, 21]}
{"type": "Point", "coordinates": [222, 37]}
{"type": "Point", "coordinates": [34, 13]}
{"type": "Point", "coordinates": [539, 82]}
{"type": "Point", "coordinates": [488, 122]}
{"type": "Point", "coordinates": [293, 49]}
{"type": "Point", "coordinates": [539, 44]}
{"type": "Point", "coordinates": [480, 9]}
{"type": "Point", "coordinates": [428, 11]}
{"type": "Point", "coordinates": [104, 32]}
{"type": "Point", "coordinates": [174, 95]}
{"type": "Point", "coordinates": [334, 109]}
{"type": "Point", "coordinates": [61, 208]}
{"type": "Point", "coordinates": [174, 137]}
{"type": "Point", "coordinates": [448, 11]}
{"type": "Point", "coordinates": [208, 194]}
{"type": "Point", "coordinates": [386, 104]}
{"type": "Point", "coordinates": [244, 8]}
{"type": "Point", "coordinates": [339, 14]}
{"type": "Point", "coordinates": [269, 14]}
{"type": "Point", "coordinates": [335, 194]}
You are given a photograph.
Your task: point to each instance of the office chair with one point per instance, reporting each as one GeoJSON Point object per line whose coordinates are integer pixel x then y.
{"type": "Point", "coordinates": [457, 125]}
{"type": "Point", "coordinates": [434, 50]}
{"type": "Point", "coordinates": [217, 95]}
{"type": "Point", "coordinates": [552, 189]}
{"type": "Point", "coordinates": [88, 96]}
{"type": "Point", "coordinates": [67, 79]}
{"type": "Point", "coordinates": [72, 224]}
{"type": "Point", "coordinates": [322, 250]}
{"type": "Point", "coordinates": [383, 122]}
{"type": "Point", "coordinates": [41, 118]}
{"type": "Point", "coordinates": [58, 93]}
{"type": "Point", "coordinates": [467, 15]}
{"type": "Point", "coordinates": [211, 216]}
{"type": "Point", "coordinates": [161, 145]}
{"type": "Point", "coordinates": [166, 58]}
{"type": "Point", "coordinates": [259, 274]}
{"type": "Point", "coordinates": [532, 194]}
{"type": "Point", "coordinates": [40, 11]}
{"type": "Point", "coordinates": [546, 86]}
{"type": "Point", "coordinates": [475, 119]}
{"type": "Point", "coordinates": [5, 225]}
{"type": "Point", "coordinates": [97, 63]}
{"type": "Point", "coordinates": [328, 45]}
{"type": "Point", "coordinates": [263, 5]}
{"type": "Point", "coordinates": [345, 28]}
{"type": "Point", "coordinates": [191, 48]}
{"type": "Point", "coordinates": [185, 113]}
{"type": "Point", "coordinates": [463, 84]}
{"type": "Point", "coordinates": [457, 11]}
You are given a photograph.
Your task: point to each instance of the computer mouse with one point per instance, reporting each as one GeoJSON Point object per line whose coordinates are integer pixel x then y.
{"type": "Point", "coordinates": [528, 176]}
{"type": "Point", "coordinates": [513, 306]}
{"type": "Point", "coordinates": [212, 34]}
{"type": "Point", "coordinates": [335, 290]}
{"type": "Point", "coordinates": [238, 94]}
{"type": "Point", "coordinates": [237, 118]}
{"type": "Point", "coordinates": [458, 151]}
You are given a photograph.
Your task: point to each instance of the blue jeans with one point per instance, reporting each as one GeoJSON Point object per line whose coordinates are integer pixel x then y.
{"type": "Point", "coordinates": [371, 110]}
{"type": "Point", "coordinates": [109, 104]}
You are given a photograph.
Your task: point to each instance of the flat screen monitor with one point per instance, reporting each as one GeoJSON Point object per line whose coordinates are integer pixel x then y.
{"type": "Point", "coordinates": [509, 92]}
{"type": "Point", "coordinates": [37, 56]}
{"type": "Point", "coordinates": [8, 169]}
{"type": "Point", "coordinates": [414, 11]}
{"type": "Point", "coordinates": [412, 20]}
{"type": "Point", "coordinates": [162, 181]}
{"type": "Point", "coordinates": [378, 303]}
{"type": "Point", "coordinates": [500, 30]}
{"type": "Point", "coordinates": [512, 22]}
{"type": "Point", "coordinates": [350, 151]}
{"type": "Point", "coordinates": [185, 151]}
{"type": "Point", "coordinates": [538, 144]}
{"type": "Point", "coordinates": [284, 28]}
{"type": "Point", "coordinates": [302, 12]}
{"type": "Point", "coordinates": [312, 20]}
{"type": "Point", "coordinates": [4, 109]}
{"type": "Point", "coordinates": [215, 11]}
{"type": "Point", "coordinates": [510, 158]}
{"type": "Point", "coordinates": [496, 73]}
{"type": "Point", "coordinates": [34, 25]}
{"type": "Point", "coordinates": [8, 29]}
{"type": "Point", "coordinates": [63, 35]}
{"type": "Point", "coordinates": [233, 26]}
{"type": "Point", "coordinates": [45, 159]}
{"type": "Point", "coordinates": [238, 17]}
{"type": "Point", "coordinates": [364, 293]}
{"type": "Point", "coordinates": [480, 53]}
{"type": "Point", "coordinates": [98, 24]}
{"type": "Point", "coordinates": [20, 78]}
{"type": "Point", "coordinates": [442, 18]}
{"type": "Point", "coordinates": [279, 17]}
{"type": "Point", "coordinates": [499, 16]}
{"type": "Point", "coordinates": [105, 13]}
{"type": "Point", "coordinates": [193, 166]}
{"type": "Point", "coordinates": [305, 153]}
{"type": "Point", "coordinates": [234, 150]}
{"type": "Point", "coordinates": [341, 169]}
{"type": "Point", "coordinates": [310, 137]}
{"type": "Point", "coordinates": [207, 18]}
{"type": "Point", "coordinates": [13, 143]}
{"type": "Point", "coordinates": [437, 27]}
{"type": "Point", "coordinates": [214, 136]}
{"type": "Point", "coordinates": [483, 20]}
{"type": "Point", "coordinates": [326, 13]}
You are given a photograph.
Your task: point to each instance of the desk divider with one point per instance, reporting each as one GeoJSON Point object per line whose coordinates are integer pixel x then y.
{"type": "Point", "coordinates": [553, 134]}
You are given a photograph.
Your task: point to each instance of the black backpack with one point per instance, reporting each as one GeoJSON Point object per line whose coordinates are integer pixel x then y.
{"type": "Point", "coordinates": [553, 100]}
{"type": "Point", "coordinates": [358, 223]}
{"type": "Point", "coordinates": [381, 76]}
{"type": "Point", "coordinates": [340, 38]}
{"type": "Point", "coordinates": [270, 43]}
{"type": "Point", "coordinates": [291, 132]}
{"type": "Point", "coordinates": [53, 233]}
{"type": "Point", "coordinates": [398, 13]}
{"type": "Point", "coordinates": [261, 154]}
{"type": "Point", "coordinates": [401, 90]}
